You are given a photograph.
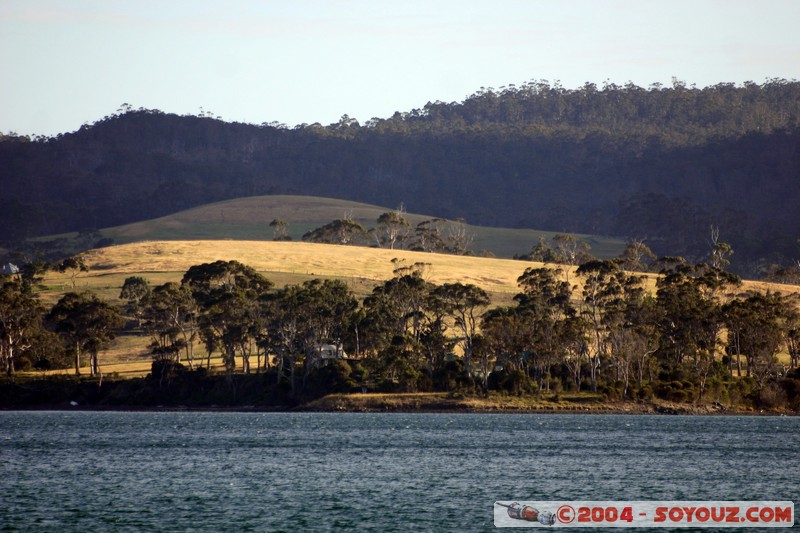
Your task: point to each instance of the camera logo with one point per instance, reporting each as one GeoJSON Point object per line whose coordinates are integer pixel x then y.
{"type": "Point", "coordinates": [528, 513]}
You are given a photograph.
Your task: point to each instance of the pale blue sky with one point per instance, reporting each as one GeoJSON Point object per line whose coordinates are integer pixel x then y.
{"type": "Point", "coordinates": [67, 62]}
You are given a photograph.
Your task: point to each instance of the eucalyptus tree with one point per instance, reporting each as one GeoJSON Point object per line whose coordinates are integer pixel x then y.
{"type": "Point", "coordinates": [459, 237]}
{"type": "Point", "coordinates": [170, 315]}
{"type": "Point", "coordinates": [605, 290]}
{"type": "Point", "coordinates": [227, 294]}
{"type": "Point", "coordinates": [434, 343]}
{"type": "Point", "coordinates": [72, 266]}
{"type": "Point", "coordinates": [541, 290]}
{"type": "Point", "coordinates": [33, 272]}
{"type": "Point", "coordinates": [687, 318]}
{"type": "Point", "coordinates": [341, 231]}
{"type": "Point", "coordinates": [542, 305]}
{"type": "Point", "coordinates": [395, 320]}
{"type": "Point", "coordinates": [505, 331]}
{"type": "Point", "coordinates": [302, 317]}
{"type": "Point", "coordinates": [791, 317]}
{"type": "Point", "coordinates": [570, 251]}
{"type": "Point", "coordinates": [20, 320]}
{"type": "Point", "coordinates": [691, 323]}
{"type": "Point", "coordinates": [720, 251]}
{"type": "Point", "coordinates": [399, 306]}
{"type": "Point", "coordinates": [393, 228]}
{"type": "Point", "coordinates": [429, 237]}
{"type": "Point", "coordinates": [630, 323]}
{"type": "Point", "coordinates": [542, 252]}
{"type": "Point", "coordinates": [280, 230]}
{"type": "Point", "coordinates": [208, 281]}
{"type": "Point", "coordinates": [573, 333]}
{"type": "Point", "coordinates": [463, 304]}
{"type": "Point", "coordinates": [86, 324]}
{"type": "Point", "coordinates": [229, 321]}
{"type": "Point", "coordinates": [637, 256]}
{"type": "Point", "coordinates": [135, 289]}
{"type": "Point", "coordinates": [641, 321]}
{"type": "Point", "coordinates": [284, 331]}
{"type": "Point", "coordinates": [327, 310]}
{"type": "Point", "coordinates": [541, 331]}
{"type": "Point", "coordinates": [756, 329]}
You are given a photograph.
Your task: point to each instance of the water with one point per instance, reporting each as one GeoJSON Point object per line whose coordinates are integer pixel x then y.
{"type": "Point", "coordinates": [120, 471]}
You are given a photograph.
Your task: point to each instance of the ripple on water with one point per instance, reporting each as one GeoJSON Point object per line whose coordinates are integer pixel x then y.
{"type": "Point", "coordinates": [370, 472]}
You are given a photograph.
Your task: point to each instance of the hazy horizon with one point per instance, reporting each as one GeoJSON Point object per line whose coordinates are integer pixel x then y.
{"type": "Point", "coordinates": [313, 61]}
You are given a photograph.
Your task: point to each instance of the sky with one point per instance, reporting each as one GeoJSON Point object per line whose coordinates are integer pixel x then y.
{"type": "Point", "coordinates": [64, 63]}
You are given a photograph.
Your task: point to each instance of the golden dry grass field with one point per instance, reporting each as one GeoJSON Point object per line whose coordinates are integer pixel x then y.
{"type": "Point", "coordinates": [305, 259]}
{"type": "Point", "coordinates": [282, 262]}
{"type": "Point", "coordinates": [168, 260]}
{"type": "Point", "coordinates": [286, 263]}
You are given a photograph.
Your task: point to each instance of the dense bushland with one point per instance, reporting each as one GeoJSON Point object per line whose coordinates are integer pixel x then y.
{"type": "Point", "coordinates": [699, 339]}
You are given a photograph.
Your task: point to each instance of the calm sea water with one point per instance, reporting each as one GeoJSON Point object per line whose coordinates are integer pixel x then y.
{"type": "Point", "coordinates": [116, 471]}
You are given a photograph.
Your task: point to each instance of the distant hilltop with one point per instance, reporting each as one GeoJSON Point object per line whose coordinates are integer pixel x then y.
{"type": "Point", "coordinates": [661, 164]}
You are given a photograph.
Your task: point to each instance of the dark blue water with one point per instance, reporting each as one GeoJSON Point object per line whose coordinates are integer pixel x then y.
{"type": "Point", "coordinates": [114, 471]}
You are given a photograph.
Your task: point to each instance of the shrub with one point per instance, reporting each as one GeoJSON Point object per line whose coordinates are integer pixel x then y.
{"type": "Point", "coordinates": [409, 379]}
{"type": "Point", "coordinates": [741, 391]}
{"type": "Point", "coordinates": [513, 382]}
{"type": "Point", "coordinates": [165, 370]}
{"type": "Point", "coordinates": [645, 393]}
{"type": "Point", "coordinates": [450, 377]}
{"type": "Point", "coordinates": [772, 396]}
{"type": "Point", "coordinates": [333, 377]}
{"type": "Point", "coordinates": [717, 391]}
{"type": "Point", "coordinates": [675, 391]}
{"type": "Point", "coordinates": [791, 388]}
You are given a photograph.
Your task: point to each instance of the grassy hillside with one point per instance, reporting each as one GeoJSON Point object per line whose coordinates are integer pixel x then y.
{"type": "Point", "coordinates": [291, 262]}
{"type": "Point", "coordinates": [284, 263]}
{"type": "Point", "coordinates": [249, 218]}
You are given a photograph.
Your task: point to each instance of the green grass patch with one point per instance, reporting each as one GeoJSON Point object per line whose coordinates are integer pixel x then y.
{"type": "Point", "coordinates": [249, 219]}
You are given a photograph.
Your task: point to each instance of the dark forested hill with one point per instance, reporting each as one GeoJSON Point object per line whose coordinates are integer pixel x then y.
{"type": "Point", "coordinates": [661, 164]}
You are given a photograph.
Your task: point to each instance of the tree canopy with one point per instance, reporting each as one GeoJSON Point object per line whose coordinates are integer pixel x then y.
{"type": "Point", "coordinates": [697, 338]}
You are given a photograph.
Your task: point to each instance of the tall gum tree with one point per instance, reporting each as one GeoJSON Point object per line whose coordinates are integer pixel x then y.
{"type": "Point", "coordinates": [86, 323]}
{"type": "Point", "coordinates": [464, 304]}
{"type": "Point", "coordinates": [20, 318]}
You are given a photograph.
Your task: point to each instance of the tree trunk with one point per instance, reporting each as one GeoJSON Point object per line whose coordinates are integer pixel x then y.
{"type": "Point", "coordinates": [230, 359]}
{"type": "Point", "coordinates": [94, 363]}
{"type": "Point", "coordinates": [188, 348]}
{"type": "Point", "coordinates": [10, 360]}
{"type": "Point", "coordinates": [468, 358]}
{"type": "Point", "coordinates": [77, 359]}
{"type": "Point", "coordinates": [281, 362]}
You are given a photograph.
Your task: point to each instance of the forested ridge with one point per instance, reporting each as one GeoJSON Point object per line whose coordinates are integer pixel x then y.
{"type": "Point", "coordinates": [659, 164]}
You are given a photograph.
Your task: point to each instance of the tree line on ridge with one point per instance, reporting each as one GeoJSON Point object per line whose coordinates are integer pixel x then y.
{"type": "Point", "coordinates": [661, 163]}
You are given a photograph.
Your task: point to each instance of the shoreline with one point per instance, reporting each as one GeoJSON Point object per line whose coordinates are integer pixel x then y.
{"type": "Point", "coordinates": [444, 403]}
{"type": "Point", "coordinates": [429, 403]}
